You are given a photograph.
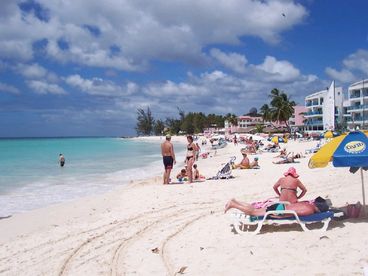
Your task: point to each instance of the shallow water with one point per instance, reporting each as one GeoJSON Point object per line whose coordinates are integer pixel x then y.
{"type": "Point", "coordinates": [30, 176]}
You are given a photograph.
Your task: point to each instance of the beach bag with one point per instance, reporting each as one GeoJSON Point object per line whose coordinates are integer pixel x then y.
{"type": "Point", "coordinates": [353, 210]}
{"type": "Point", "coordinates": [321, 204]}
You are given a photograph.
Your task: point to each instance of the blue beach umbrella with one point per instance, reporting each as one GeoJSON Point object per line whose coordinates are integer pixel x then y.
{"type": "Point", "coordinates": [347, 150]}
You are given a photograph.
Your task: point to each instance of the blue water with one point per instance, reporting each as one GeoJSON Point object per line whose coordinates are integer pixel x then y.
{"type": "Point", "coordinates": [30, 176]}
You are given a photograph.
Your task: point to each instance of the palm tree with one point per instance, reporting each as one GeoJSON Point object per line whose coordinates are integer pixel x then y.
{"type": "Point", "coordinates": [259, 128]}
{"type": "Point", "coordinates": [282, 108]}
{"type": "Point", "coordinates": [266, 112]}
{"type": "Point", "coordinates": [231, 118]}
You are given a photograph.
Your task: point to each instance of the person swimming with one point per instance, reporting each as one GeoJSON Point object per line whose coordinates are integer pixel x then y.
{"type": "Point", "coordinates": [61, 160]}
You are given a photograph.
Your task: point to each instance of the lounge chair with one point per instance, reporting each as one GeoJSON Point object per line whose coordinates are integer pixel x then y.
{"type": "Point", "coordinates": [225, 171]}
{"type": "Point", "coordinates": [313, 150]}
{"type": "Point", "coordinates": [241, 221]}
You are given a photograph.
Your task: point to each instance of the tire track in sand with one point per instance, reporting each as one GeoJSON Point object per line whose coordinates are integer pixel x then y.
{"type": "Point", "coordinates": [120, 234]}
{"type": "Point", "coordinates": [18, 257]}
{"type": "Point", "coordinates": [142, 244]}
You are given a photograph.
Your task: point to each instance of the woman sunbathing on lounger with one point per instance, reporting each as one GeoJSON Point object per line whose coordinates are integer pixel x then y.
{"type": "Point", "coordinates": [283, 153]}
{"type": "Point", "coordinates": [298, 155]}
{"type": "Point", "coordinates": [304, 208]}
{"type": "Point", "coordinates": [286, 160]}
{"type": "Point", "coordinates": [286, 188]}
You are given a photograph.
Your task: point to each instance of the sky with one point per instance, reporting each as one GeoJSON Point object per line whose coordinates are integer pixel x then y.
{"type": "Point", "coordinates": [84, 67]}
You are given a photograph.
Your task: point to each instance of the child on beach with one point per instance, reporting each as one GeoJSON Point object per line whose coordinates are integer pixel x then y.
{"type": "Point", "coordinates": [254, 164]}
{"type": "Point", "coordinates": [182, 176]}
{"type": "Point", "coordinates": [196, 174]}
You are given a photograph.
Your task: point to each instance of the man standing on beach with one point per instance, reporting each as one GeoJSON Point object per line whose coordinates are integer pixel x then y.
{"type": "Point", "coordinates": [168, 156]}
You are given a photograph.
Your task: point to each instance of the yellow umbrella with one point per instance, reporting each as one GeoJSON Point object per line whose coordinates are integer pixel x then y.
{"type": "Point", "coordinates": [347, 150]}
{"type": "Point", "coordinates": [324, 155]}
{"type": "Point", "coordinates": [328, 134]}
{"type": "Point", "coordinates": [275, 139]}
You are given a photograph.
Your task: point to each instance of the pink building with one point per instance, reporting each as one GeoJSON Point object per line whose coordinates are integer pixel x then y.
{"type": "Point", "coordinates": [248, 123]}
{"type": "Point", "coordinates": [297, 120]}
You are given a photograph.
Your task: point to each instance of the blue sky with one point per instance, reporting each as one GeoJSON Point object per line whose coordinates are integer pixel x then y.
{"type": "Point", "coordinates": [82, 67]}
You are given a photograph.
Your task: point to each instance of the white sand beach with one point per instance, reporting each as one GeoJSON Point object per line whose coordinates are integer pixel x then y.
{"type": "Point", "coordinates": [147, 228]}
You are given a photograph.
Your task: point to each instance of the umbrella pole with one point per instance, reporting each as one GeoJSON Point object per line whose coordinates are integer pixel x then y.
{"type": "Point", "coordinates": [361, 175]}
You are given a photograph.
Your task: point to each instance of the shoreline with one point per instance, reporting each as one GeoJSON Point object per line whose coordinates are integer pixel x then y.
{"type": "Point", "coordinates": [118, 230]}
{"type": "Point", "coordinates": [49, 190]}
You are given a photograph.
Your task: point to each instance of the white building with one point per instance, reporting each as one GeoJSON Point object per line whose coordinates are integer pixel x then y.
{"type": "Point", "coordinates": [324, 109]}
{"type": "Point", "coordinates": [358, 105]}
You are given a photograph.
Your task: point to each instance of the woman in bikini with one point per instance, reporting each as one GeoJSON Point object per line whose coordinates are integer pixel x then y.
{"type": "Point", "coordinates": [288, 192]}
{"type": "Point", "coordinates": [287, 187]}
{"type": "Point", "coordinates": [190, 157]}
{"type": "Point", "coordinates": [304, 208]}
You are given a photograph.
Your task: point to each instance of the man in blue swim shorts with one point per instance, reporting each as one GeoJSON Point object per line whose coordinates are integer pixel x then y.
{"type": "Point", "coordinates": [168, 156]}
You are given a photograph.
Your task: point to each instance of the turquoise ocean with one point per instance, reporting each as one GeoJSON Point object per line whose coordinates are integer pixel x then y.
{"type": "Point", "coordinates": [30, 176]}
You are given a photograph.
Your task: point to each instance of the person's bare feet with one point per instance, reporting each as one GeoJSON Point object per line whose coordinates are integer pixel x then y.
{"type": "Point", "coordinates": [228, 206]}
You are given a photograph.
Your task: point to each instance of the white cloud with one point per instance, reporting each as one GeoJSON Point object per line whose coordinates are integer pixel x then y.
{"type": "Point", "coordinates": [42, 87]}
{"type": "Point", "coordinates": [132, 33]}
{"type": "Point", "coordinates": [217, 91]}
{"type": "Point", "coordinates": [357, 61]}
{"type": "Point", "coordinates": [100, 87]}
{"type": "Point", "coordinates": [169, 89]}
{"type": "Point", "coordinates": [282, 70]}
{"type": "Point", "coordinates": [233, 61]}
{"type": "Point", "coordinates": [8, 88]}
{"type": "Point", "coordinates": [344, 76]}
{"type": "Point", "coordinates": [33, 71]}
{"type": "Point", "coordinates": [355, 67]}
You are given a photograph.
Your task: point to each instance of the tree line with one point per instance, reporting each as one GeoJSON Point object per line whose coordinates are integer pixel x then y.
{"type": "Point", "coordinates": [280, 109]}
{"type": "Point", "coordinates": [184, 123]}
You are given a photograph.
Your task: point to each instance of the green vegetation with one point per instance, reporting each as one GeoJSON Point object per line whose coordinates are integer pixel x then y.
{"type": "Point", "coordinates": [189, 123]}
{"type": "Point", "coordinates": [280, 109]}
{"type": "Point", "coordinates": [145, 122]}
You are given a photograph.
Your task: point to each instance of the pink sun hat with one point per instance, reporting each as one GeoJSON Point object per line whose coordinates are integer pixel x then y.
{"type": "Point", "coordinates": [291, 171]}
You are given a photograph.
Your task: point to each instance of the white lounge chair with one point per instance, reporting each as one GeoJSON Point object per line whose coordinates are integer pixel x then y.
{"type": "Point", "coordinates": [242, 222]}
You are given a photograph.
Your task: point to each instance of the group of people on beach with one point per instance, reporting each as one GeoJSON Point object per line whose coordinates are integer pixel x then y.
{"type": "Point", "coordinates": [168, 155]}
{"type": "Point", "coordinates": [286, 188]}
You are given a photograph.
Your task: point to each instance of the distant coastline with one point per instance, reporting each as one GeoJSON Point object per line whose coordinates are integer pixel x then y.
{"type": "Point", "coordinates": [59, 137]}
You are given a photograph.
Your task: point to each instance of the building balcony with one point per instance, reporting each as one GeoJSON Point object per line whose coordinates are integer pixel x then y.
{"type": "Point", "coordinates": [357, 119]}
{"type": "Point", "coordinates": [354, 96]}
{"type": "Point", "coordinates": [358, 107]}
{"type": "Point", "coordinates": [313, 112]}
{"type": "Point", "coordinates": [314, 123]}
{"type": "Point", "coordinates": [313, 104]}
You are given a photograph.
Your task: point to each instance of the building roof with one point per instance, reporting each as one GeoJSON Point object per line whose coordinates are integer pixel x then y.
{"type": "Point", "coordinates": [249, 117]}
{"type": "Point", "coordinates": [359, 83]}
{"type": "Point", "coordinates": [316, 94]}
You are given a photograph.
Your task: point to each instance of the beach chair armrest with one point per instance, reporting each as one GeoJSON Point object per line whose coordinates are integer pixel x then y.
{"type": "Point", "coordinates": [283, 202]}
{"type": "Point", "coordinates": [280, 213]}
